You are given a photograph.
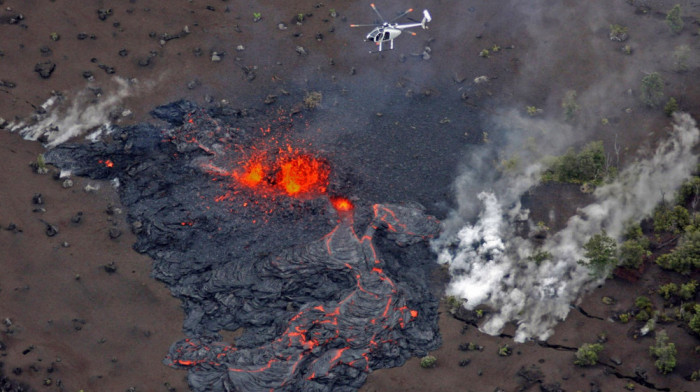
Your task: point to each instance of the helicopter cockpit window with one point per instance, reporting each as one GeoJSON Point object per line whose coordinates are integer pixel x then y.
{"type": "Point", "coordinates": [386, 35]}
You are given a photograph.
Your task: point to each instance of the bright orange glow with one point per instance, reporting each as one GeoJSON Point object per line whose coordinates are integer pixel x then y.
{"type": "Point", "coordinates": [341, 204]}
{"type": "Point", "coordinates": [253, 174]}
{"type": "Point", "coordinates": [303, 174]}
{"type": "Point", "coordinates": [414, 313]}
{"type": "Point", "coordinates": [106, 162]}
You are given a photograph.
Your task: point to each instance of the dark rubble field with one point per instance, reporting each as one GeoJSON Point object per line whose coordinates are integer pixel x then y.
{"type": "Point", "coordinates": [81, 310]}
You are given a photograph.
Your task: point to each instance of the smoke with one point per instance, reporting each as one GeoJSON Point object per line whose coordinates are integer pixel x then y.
{"type": "Point", "coordinates": [90, 109]}
{"type": "Point", "coordinates": [489, 261]}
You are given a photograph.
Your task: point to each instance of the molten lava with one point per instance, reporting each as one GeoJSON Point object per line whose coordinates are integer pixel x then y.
{"type": "Point", "coordinates": [293, 174]}
{"type": "Point", "coordinates": [341, 204]}
{"type": "Point", "coordinates": [303, 174]}
{"type": "Point", "coordinates": [253, 174]}
{"type": "Point", "coordinates": [106, 162]}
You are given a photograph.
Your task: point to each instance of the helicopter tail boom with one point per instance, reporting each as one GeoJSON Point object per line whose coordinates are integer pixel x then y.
{"type": "Point", "coordinates": [426, 19]}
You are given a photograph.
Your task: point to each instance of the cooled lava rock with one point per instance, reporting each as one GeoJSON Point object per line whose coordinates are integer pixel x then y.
{"type": "Point", "coordinates": [248, 235]}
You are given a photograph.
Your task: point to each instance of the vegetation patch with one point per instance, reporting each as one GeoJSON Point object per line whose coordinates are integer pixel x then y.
{"type": "Point", "coordinates": [586, 166]}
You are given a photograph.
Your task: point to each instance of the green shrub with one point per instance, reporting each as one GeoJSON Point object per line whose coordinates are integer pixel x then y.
{"type": "Point", "coordinates": [453, 304]}
{"type": "Point", "coordinates": [670, 219]}
{"type": "Point", "coordinates": [428, 362]}
{"type": "Point", "coordinates": [634, 232]}
{"type": "Point", "coordinates": [632, 253]}
{"type": "Point", "coordinates": [644, 303]}
{"type": "Point", "coordinates": [694, 322]}
{"type": "Point", "coordinates": [589, 165]}
{"type": "Point", "coordinates": [652, 89]}
{"type": "Point", "coordinates": [668, 290]}
{"type": "Point", "coordinates": [624, 318]}
{"type": "Point", "coordinates": [540, 257]}
{"type": "Point", "coordinates": [601, 252]}
{"type": "Point", "coordinates": [689, 190]}
{"type": "Point", "coordinates": [505, 350]}
{"type": "Point", "coordinates": [587, 354]}
{"type": "Point", "coordinates": [671, 107]}
{"type": "Point", "coordinates": [643, 315]}
{"type": "Point", "coordinates": [674, 20]}
{"type": "Point", "coordinates": [680, 58]}
{"type": "Point", "coordinates": [687, 290]}
{"type": "Point", "coordinates": [685, 258]}
{"type": "Point", "coordinates": [665, 353]}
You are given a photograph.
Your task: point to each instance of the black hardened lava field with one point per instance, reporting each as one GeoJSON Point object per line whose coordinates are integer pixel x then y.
{"type": "Point", "coordinates": [256, 230]}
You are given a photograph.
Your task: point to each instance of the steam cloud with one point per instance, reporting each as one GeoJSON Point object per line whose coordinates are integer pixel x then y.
{"type": "Point", "coordinates": [489, 261]}
{"type": "Point", "coordinates": [83, 114]}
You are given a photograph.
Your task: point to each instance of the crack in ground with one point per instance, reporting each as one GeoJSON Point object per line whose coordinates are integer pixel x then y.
{"type": "Point", "coordinates": [583, 312]}
{"type": "Point", "coordinates": [639, 379]}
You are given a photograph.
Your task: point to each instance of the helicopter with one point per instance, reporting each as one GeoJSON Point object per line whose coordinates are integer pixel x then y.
{"type": "Point", "coordinates": [388, 31]}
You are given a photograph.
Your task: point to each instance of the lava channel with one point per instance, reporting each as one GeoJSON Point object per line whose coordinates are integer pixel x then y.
{"type": "Point", "coordinates": [325, 345]}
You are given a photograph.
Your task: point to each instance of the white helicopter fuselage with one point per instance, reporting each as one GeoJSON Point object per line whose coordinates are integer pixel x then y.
{"type": "Point", "coordinates": [389, 31]}
{"type": "Point", "coordinates": [384, 33]}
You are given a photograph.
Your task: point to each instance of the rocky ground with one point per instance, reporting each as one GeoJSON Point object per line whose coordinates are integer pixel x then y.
{"type": "Point", "coordinates": [70, 316]}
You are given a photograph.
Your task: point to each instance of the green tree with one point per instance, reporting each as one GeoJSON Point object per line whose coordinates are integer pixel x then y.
{"type": "Point", "coordinates": [685, 258]}
{"type": "Point", "coordinates": [674, 20]}
{"type": "Point", "coordinates": [670, 219]}
{"type": "Point", "coordinates": [601, 252]}
{"type": "Point", "coordinates": [587, 354]}
{"type": "Point", "coordinates": [632, 253]}
{"type": "Point", "coordinates": [689, 189]}
{"type": "Point", "coordinates": [588, 165]}
{"type": "Point", "coordinates": [652, 89]}
{"type": "Point", "coordinates": [633, 232]}
{"type": "Point", "coordinates": [665, 353]}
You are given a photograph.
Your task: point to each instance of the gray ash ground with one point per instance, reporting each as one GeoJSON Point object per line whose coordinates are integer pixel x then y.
{"type": "Point", "coordinates": [319, 305]}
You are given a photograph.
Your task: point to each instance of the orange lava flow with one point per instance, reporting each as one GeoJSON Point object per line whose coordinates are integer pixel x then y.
{"type": "Point", "coordinates": [303, 174]}
{"type": "Point", "coordinates": [341, 204]}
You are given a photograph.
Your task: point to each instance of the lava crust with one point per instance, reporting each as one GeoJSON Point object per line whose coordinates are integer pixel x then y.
{"type": "Point", "coordinates": [250, 231]}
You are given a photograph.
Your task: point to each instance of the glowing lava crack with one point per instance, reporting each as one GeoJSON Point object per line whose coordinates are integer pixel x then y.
{"type": "Point", "coordinates": [345, 336]}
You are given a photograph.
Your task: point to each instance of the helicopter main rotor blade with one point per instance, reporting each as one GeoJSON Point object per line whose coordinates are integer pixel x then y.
{"type": "Point", "coordinates": [364, 25]}
{"type": "Point", "coordinates": [377, 11]}
{"type": "Point", "coordinates": [401, 15]}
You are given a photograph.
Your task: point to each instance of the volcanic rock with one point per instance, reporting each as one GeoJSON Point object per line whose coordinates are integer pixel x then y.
{"type": "Point", "coordinates": [320, 305]}
{"type": "Point", "coordinates": [45, 69]}
{"type": "Point", "coordinates": [37, 199]}
{"type": "Point", "coordinates": [77, 218]}
{"type": "Point", "coordinates": [51, 230]}
{"type": "Point", "coordinates": [114, 233]}
{"type": "Point", "coordinates": [104, 13]}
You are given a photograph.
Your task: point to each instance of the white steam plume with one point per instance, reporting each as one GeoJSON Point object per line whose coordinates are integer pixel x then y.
{"type": "Point", "coordinates": [84, 114]}
{"type": "Point", "coordinates": [489, 262]}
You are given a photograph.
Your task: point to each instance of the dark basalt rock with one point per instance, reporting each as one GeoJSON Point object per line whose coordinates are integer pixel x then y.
{"type": "Point", "coordinates": [45, 69]}
{"type": "Point", "coordinates": [320, 305]}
